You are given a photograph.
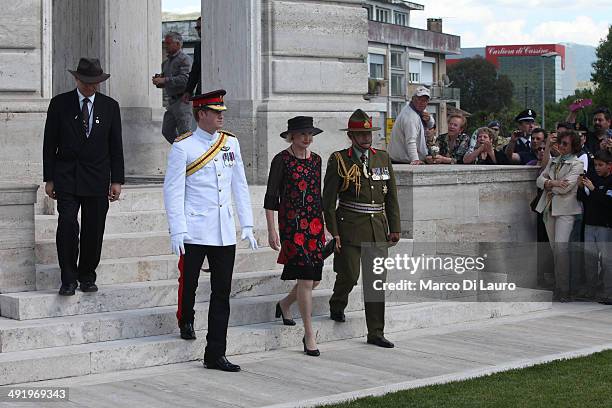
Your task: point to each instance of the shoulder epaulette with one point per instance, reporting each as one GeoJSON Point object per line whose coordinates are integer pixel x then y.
{"type": "Point", "coordinates": [227, 133]}
{"type": "Point", "coordinates": [183, 136]}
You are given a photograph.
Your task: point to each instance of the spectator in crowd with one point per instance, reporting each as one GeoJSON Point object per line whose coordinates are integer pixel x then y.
{"type": "Point", "coordinates": [596, 195]}
{"type": "Point", "coordinates": [539, 152]}
{"type": "Point", "coordinates": [195, 75]}
{"type": "Point", "coordinates": [453, 145]}
{"type": "Point", "coordinates": [499, 140]}
{"type": "Point", "coordinates": [520, 141]}
{"type": "Point", "coordinates": [601, 127]}
{"type": "Point", "coordinates": [408, 137]}
{"type": "Point", "coordinates": [485, 153]}
{"type": "Point", "coordinates": [294, 190]}
{"type": "Point", "coordinates": [559, 205]}
{"type": "Point", "coordinates": [538, 138]}
{"type": "Point", "coordinates": [174, 76]}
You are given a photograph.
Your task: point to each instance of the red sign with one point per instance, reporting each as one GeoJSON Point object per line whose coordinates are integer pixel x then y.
{"type": "Point", "coordinates": [493, 52]}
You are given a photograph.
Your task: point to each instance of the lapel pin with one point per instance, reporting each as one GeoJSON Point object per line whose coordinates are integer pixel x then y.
{"type": "Point", "coordinates": [76, 117]}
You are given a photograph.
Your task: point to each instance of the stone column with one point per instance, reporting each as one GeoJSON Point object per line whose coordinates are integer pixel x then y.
{"type": "Point", "coordinates": [278, 59]}
{"type": "Point", "coordinates": [17, 266]}
{"type": "Point", "coordinates": [25, 88]}
{"type": "Point", "coordinates": [126, 36]}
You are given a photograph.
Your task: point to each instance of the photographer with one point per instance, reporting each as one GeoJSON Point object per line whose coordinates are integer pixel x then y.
{"type": "Point", "coordinates": [601, 135]}
{"type": "Point", "coordinates": [538, 137]}
{"type": "Point", "coordinates": [520, 140]}
{"type": "Point", "coordinates": [174, 76]}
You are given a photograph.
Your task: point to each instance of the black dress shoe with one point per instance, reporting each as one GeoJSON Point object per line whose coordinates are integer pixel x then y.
{"type": "Point", "coordinates": [67, 289]}
{"type": "Point", "coordinates": [337, 316]}
{"type": "Point", "coordinates": [314, 353]}
{"type": "Point", "coordinates": [221, 364]}
{"type": "Point", "coordinates": [187, 331]}
{"type": "Point", "coordinates": [88, 287]}
{"type": "Point", "coordinates": [279, 313]}
{"type": "Point", "coordinates": [380, 342]}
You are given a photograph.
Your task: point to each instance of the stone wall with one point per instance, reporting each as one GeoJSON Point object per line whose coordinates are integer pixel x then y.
{"type": "Point", "coordinates": [17, 269]}
{"type": "Point", "coordinates": [279, 59]}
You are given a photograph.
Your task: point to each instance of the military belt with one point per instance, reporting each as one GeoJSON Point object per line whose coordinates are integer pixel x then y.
{"type": "Point", "coordinates": [363, 208]}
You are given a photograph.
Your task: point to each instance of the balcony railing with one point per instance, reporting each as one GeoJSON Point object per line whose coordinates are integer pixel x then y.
{"type": "Point", "coordinates": [441, 92]}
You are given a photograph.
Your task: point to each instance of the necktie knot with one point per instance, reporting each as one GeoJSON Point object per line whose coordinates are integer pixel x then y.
{"type": "Point", "coordinates": [363, 157]}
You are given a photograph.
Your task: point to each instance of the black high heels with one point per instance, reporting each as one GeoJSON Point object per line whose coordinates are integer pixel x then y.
{"type": "Point", "coordinates": [314, 353]}
{"type": "Point", "coordinates": [279, 313]}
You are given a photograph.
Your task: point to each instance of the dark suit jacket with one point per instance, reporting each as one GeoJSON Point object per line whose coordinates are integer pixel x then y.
{"type": "Point", "coordinates": [78, 164]}
{"type": "Point", "coordinates": [195, 75]}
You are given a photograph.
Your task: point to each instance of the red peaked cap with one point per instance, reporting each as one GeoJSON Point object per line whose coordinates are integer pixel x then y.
{"type": "Point", "coordinates": [211, 100]}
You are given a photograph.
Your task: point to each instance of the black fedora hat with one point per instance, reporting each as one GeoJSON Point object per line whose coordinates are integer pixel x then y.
{"type": "Point", "coordinates": [300, 124]}
{"type": "Point", "coordinates": [89, 71]}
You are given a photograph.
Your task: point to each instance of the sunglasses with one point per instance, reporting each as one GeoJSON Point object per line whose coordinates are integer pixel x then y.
{"type": "Point", "coordinates": [541, 149]}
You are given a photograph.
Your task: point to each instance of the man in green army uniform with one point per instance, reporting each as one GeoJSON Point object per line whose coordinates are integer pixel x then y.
{"type": "Point", "coordinates": [360, 207]}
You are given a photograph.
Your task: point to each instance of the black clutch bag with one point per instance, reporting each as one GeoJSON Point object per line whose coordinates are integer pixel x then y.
{"type": "Point", "coordinates": [328, 249]}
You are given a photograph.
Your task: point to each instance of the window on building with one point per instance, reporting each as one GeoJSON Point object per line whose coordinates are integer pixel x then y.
{"type": "Point", "coordinates": [397, 59]}
{"type": "Point", "coordinates": [376, 66]}
{"type": "Point", "coordinates": [427, 73]}
{"type": "Point", "coordinates": [370, 11]}
{"type": "Point", "coordinates": [400, 18]}
{"type": "Point", "coordinates": [414, 68]}
{"type": "Point", "coordinates": [396, 108]}
{"type": "Point", "coordinates": [397, 85]}
{"type": "Point", "coordinates": [383, 15]}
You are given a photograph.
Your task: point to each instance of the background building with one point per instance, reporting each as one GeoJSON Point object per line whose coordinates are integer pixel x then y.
{"type": "Point", "coordinates": [401, 57]}
{"type": "Point", "coordinates": [562, 68]}
{"type": "Point", "coordinates": [184, 24]}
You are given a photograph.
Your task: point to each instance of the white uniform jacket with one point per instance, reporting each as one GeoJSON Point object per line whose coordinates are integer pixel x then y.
{"type": "Point", "coordinates": [201, 204]}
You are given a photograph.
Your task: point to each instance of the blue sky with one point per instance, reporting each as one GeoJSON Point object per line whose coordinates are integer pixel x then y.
{"type": "Point", "coordinates": [493, 22]}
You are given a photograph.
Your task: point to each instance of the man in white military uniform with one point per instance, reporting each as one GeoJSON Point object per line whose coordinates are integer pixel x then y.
{"type": "Point", "coordinates": [204, 170]}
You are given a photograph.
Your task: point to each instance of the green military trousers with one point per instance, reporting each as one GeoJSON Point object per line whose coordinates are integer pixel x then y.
{"type": "Point", "coordinates": [347, 267]}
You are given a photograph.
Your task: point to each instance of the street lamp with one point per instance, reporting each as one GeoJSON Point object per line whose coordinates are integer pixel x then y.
{"type": "Point", "coordinates": [546, 55]}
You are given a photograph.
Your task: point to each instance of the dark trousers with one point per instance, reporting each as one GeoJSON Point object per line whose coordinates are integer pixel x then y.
{"type": "Point", "coordinates": [347, 268]}
{"type": "Point", "coordinates": [93, 218]}
{"type": "Point", "coordinates": [221, 263]}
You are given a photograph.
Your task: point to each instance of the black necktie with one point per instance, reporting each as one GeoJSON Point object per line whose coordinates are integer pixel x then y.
{"type": "Point", "coordinates": [85, 110]}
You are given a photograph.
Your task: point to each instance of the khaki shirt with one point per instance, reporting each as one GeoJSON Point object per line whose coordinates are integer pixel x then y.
{"type": "Point", "coordinates": [352, 227]}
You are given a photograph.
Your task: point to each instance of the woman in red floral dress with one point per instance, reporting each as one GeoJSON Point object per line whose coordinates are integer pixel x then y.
{"type": "Point", "coordinates": [294, 190]}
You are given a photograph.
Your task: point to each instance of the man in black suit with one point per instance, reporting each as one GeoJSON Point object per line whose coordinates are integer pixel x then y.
{"type": "Point", "coordinates": [82, 168]}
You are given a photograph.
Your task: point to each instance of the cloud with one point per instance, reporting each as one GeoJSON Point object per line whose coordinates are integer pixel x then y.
{"type": "Point", "coordinates": [582, 30]}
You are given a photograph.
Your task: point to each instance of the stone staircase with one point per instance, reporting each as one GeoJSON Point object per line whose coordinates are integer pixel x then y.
{"type": "Point", "coordinates": [130, 323]}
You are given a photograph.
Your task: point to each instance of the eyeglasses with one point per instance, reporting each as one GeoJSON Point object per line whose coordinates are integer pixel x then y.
{"type": "Point", "coordinates": [541, 149]}
{"type": "Point", "coordinates": [564, 143]}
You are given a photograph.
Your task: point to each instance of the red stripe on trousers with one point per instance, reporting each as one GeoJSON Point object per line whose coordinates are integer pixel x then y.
{"type": "Point", "coordinates": [181, 267]}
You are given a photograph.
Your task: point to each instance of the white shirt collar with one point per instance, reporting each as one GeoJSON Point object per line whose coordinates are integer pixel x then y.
{"type": "Point", "coordinates": [81, 97]}
{"type": "Point", "coordinates": [204, 134]}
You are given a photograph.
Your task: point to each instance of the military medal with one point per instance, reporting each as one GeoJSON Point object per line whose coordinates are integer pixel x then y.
{"type": "Point", "coordinates": [376, 173]}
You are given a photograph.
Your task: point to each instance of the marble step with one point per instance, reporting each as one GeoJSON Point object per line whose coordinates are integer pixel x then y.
{"type": "Point", "coordinates": [130, 245]}
{"type": "Point", "coordinates": [136, 295]}
{"type": "Point", "coordinates": [83, 359]}
{"type": "Point", "coordinates": [138, 221]}
{"type": "Point", "coordinates": [151, 268]}
{"type": "Point", "coordinates": [151, 198]}
{"type": "Point", "coordinates": [109, 326]}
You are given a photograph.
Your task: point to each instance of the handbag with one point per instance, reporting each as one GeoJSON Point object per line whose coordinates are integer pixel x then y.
{"type": "Point", "coordinates": [328, 249]}
{"type": "Point", "coordinates": [536, 200]}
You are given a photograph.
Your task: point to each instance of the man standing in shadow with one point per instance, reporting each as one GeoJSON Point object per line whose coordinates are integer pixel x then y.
{"type": "Point", "coordinates": [82, 169]}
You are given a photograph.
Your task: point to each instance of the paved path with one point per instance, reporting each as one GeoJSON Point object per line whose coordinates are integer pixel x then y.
{"type": "Point", "coordinates": [350, 368]}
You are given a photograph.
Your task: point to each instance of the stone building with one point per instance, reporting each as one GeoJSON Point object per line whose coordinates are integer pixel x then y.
{"type": "Point", "coordinates": [401, 57]}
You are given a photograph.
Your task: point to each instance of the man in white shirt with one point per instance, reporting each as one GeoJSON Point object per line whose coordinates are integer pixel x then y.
{"type": "Point", "coordinates": [408, 142]}
{"type": "Point", "coordinates": [204, 170]}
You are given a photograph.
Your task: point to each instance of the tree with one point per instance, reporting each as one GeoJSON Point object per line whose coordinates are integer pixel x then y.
{"type": "Point", "coordinates": [482, 89]}
{"type": "Point", "coordinates": [602, 72]}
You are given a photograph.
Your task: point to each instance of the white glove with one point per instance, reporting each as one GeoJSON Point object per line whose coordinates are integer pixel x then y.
{"type": "Point", "coordinates": [247, 233]}
{"type": "Point", "coordinates": [177, 243]}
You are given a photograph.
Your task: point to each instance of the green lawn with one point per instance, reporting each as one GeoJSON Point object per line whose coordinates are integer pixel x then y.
{"type": "Point", "coordinates": [581, 382]}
